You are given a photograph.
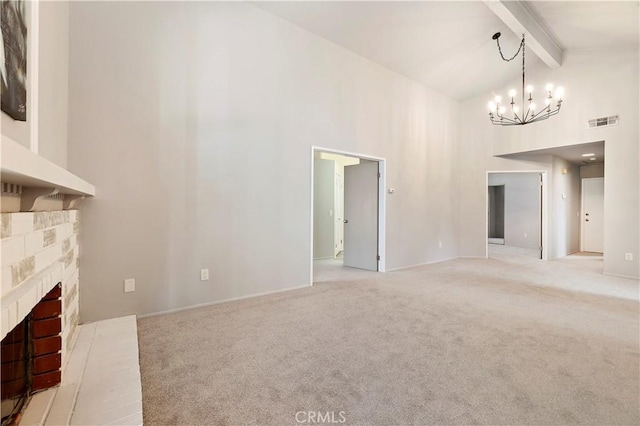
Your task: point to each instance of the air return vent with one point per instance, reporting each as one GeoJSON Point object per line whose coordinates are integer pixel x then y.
{"type": "Point", "coordinates": [612, 120]}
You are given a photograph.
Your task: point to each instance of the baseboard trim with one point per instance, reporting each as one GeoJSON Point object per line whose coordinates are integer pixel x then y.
{"type": "Point", "coordinates": [621, 276]}
{"type": "Point", "coordinates": [421, 264]}
{"type": "Point", "coordinates": [218, 302]}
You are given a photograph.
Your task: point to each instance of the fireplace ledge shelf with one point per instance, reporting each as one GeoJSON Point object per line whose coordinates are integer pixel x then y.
{"type": "Point", "coordinates": [23, 167]}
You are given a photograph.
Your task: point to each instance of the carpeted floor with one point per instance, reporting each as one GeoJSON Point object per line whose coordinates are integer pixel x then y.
{"type": "Point", "coordinates": [468, 341]}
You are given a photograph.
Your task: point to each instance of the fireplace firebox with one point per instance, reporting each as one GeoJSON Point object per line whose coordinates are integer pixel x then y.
{"type": "Point", "coordinates": [31, 355]}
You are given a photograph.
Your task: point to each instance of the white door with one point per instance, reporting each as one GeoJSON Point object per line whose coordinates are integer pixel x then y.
{"type": "Point", "coordinates": [593, 215]}
{"type": "Point", "coordinates": [361, 216]}
{"type": "Point", "coordinates": [339, 216]}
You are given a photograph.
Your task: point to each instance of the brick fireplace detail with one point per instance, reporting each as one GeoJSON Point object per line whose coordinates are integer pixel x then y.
{"type": "Point", "coordinates": [31, 354]}
{"type": "Point", "coordinates": [39, 289]}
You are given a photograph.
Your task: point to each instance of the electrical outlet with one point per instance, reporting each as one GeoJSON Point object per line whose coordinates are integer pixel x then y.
{"type": "Point", "coordinates": [129, 285]}
{"type": "Point", "coordinates": [440, 244]}
{"type": "Point", "coordinates": [204, 274]}
{"type": "Point", "coordinates": [628, 256]}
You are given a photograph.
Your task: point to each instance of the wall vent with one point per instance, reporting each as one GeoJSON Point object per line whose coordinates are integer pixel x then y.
{"type": "Point", "coordinates": [611, 120]}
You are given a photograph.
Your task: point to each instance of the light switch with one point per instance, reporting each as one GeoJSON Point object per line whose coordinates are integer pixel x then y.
{"type": "Point", "coordinates": [129, 285]}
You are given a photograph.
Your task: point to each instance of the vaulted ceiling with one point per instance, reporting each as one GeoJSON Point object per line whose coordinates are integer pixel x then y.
{"type": "Point", "coordinates": [447, 45]}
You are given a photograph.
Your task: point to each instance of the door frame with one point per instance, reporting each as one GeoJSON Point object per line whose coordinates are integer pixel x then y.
{"type": "Point", "coordinates": [582, 211]}
{"type": "Point", "coordinates": [544, 207]}
{"type": "Point", "coordinates": [382, 203]}
{"type": "Point", "coordinates": [338, 242]}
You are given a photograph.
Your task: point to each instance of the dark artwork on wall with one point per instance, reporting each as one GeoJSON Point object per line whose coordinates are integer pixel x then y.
{"type": "Point", "coordinates": [13, 59]}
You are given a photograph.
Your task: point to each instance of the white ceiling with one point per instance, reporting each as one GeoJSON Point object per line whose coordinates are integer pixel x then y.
{"type": "Point", "coordinates": [590, 24]}
{"type": "Point", "coordinates": [447, 45]}
{"type": "Point", "coordinates": [571, 153]}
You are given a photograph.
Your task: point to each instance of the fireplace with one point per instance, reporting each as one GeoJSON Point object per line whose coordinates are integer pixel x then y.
{"type": "Point", "coordinates": [31, 357]}
{"type": "Point", "coordinates": [40, 284]}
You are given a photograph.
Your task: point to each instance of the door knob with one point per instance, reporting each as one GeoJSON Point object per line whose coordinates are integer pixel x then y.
{"type": "Point", "coordinates": [586, 220]}
{"type": "Point", "coordinates": [346, 221]}
{"type": "Point", "coordinates": [587, 214]}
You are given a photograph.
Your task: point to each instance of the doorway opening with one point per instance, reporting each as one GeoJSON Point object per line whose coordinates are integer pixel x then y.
{"type": "Point", "coordinates": [496, 214]}
{"type": "Point", "coordinates": [347, 214]}
{"type": "Point", "coordinates": [516, 223]}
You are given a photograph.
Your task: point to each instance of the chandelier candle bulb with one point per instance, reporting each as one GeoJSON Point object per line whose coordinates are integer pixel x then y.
{"type": "Point", "coordinates": [529, 113]}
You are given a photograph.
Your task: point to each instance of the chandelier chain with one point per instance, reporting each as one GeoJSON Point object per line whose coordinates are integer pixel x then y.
{"type": "Point", "coordinates": [516, 54]}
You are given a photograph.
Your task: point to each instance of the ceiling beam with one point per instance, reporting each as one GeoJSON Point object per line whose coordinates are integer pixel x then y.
{"type": "Point", "coordinates": [521, 20]}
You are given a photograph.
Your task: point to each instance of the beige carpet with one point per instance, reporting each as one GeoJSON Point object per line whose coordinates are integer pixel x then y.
{"type": "Point", "coordinates": [460, 342]}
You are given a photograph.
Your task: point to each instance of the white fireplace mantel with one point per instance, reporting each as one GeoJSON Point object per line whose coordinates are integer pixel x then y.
{"type": "Point", "coordinates": [21, 166]}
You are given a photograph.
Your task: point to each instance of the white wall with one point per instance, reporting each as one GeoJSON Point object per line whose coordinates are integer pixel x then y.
{"type": "Point", "coordinates": [53, 90]}
{"type": "Point", "coordinates": [522, 219]}
{"type": "Point", "coordinates": [53, 62]}
{"type": "Point", "coordinates": [565, 204]}
{"type": "Point", "coordinates": [323, 208]}
{"type": "Point", "coordinates": [195, 121]}
{"type": "Point", "coordinates": [592, 171]}
{"type": "Point", "coordinates": [598, 83]}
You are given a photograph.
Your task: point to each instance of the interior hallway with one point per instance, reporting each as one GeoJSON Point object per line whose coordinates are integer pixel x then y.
{"type": "Point", "coordinates": [465, 341]}
{"type": "Point", "coordinates": [329, 270]}
{"type": "Point", "coordinates": [501, 251]}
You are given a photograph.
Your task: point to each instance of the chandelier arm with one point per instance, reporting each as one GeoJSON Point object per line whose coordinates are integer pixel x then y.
{"type": "Point", "coordinates": [540, 119]}
{"type": "Point", "coordinates": [544, 117]}
{"type": "Point", "coordinates": [534, 115]}
{"type": "Point", "coordinates": [517, 117]}
{"type": "Point", "coordinates": [549, 113]}
{"type": "Point", "coordinates": [505, 121]}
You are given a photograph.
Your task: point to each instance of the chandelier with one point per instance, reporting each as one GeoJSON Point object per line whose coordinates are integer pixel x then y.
{"type": "Point", "coordinates": [529, 112]}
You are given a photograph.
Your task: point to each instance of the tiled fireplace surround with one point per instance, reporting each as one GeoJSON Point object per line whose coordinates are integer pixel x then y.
{"type": "Point", "coordinates": [99, 361]}
{"type": "Point", "coordinates": [39, 250]}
